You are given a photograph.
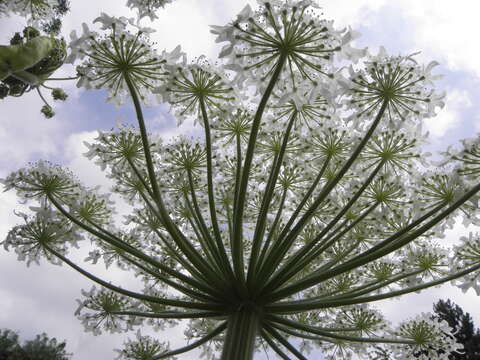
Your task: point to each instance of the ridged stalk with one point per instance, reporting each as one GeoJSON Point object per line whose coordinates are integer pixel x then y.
{"type": "Point", "coordinates": [242, 330]}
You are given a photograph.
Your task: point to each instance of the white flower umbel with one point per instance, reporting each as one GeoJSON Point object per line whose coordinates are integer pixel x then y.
{"type": "Point", "coordinates": [118, 60]}
{"type": "Point", "coordinates": [399, 80]}
{"type": "Point", "coordinates": [279, 34]}
{"type": "Point", "coordinates": [197, 89]}
{"type": "Point", "coordinates": [468, 254]}
{"type": "Point", "coordinates": [431, 339]}
{"type": "Point", "coordinates": [34, 10]}
{"type": "Point", "coordinates": [43, 179]}
{"type": "Point", "coordinates": [99, 311]}
{"type": "Point", "coordinates": [45, 230]}
{"type": "Point", "coordinates": [142, 348]}
{"type": "Point", "coordinates": [147, 7]}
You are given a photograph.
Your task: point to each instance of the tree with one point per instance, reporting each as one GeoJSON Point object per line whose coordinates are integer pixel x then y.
{"type": "Point", "coordinates": [41, 348]}
{"type": "Point", "coordinates": [462, 327]}
{"type": "Point", "coordinates": [307, 199]}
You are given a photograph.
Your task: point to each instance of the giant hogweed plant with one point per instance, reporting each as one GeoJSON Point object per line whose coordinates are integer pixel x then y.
{"type": "Point", "coordinates": [307, 200]}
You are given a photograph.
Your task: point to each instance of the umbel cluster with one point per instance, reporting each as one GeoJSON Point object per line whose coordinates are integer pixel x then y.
{"type": "Point", "coordinates": [307, 199]}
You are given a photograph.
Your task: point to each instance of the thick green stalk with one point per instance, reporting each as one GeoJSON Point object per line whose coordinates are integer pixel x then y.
{"type": "Point", "coordinates": [365, 288]}
{"type": "Point", "coordinates": [158, 275]}
{"type": "Point", "coordinates": [237, 249]}
{"type": "Point", "coordinates": [183, 289]}
{"type": "Point", "coordinates": [307, 195]}
{"type": "Point", "coordinates": [242, 331]}
{"type": "Point", "coordinates": [238, 170]}
{"type": "Point", "coordinates": [188, 266]}
{"type": "Point", "coordinates": [274, 346]}
{"type": "Point", "coordinates": [372, 286]}
{"type": "Point", "coordinates": [210, 246]}
{"type": "Point", "coordinates": [266, 246]}
{"type": "Point", "coordinates": [272, 230]}
{"type": "Point", "coordinates": [171, 251]}
{"type": "Point", "coordinates": [293, 266]}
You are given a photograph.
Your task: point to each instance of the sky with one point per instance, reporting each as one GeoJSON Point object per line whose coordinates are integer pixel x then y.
{"type": "Point", "coordinates": [42, 298]}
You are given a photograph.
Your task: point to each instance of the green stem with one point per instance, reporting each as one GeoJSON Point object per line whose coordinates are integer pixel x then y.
{"type": "Point", "coordinates": [242, 331]}
{"type": "Point", "coordinates": [315, 330]}
{"type": "Point", "coordinates": [211, 193]}
{"type": "Point", "coordinates": [61, 79]}
{"type": "Point", "coordinates": [211, 249]}
{"type": "Point", "coordinates": [364, 289]}
{"type": "Point", "coordinates": [307, 305]}
{"type": "Point", "coordinates": [175, 254]}
{"type": "Point", "coordinates": [266, 249]}
{"type": "Point", "coordinates": [267, 199]}
{"type": "Point", "coordinates": [307, 195]}
{"type": "Point", "coordinates": [279, 252]}
{"type": "Point", "coordinates": [184, 245]}
{"type": "Point", "coordinates": [218, 330]}
{"type": "Point", "coordinates": [237, 249]}
{"type": "Point", "coordinates": [274, 346]}
{"type": "Point", "coordinates": [140, 177]}
{"type": "Point", "coordinates": [273, 229]}
{"type": "Point", "coordinates": [283, 341]}
{"type": "Point", "coordinates": [183, 289]}
{"type": "Point", "coordinates": [152, 299]}
{"type": "Point", "coordinates": [384, 248]}
{"type": "Point", "coordinates": [171, 314]}
{"type": "Point", "coordinates": [129, 249]}
{"type": "Point", "coordinates": [368, 288]}
{"type": "Point", "coordinates": [238, 170]}
{"type": "Point", "coordinates": [294, 267]}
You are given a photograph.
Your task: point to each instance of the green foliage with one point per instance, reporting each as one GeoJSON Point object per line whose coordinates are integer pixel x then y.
{"type": "Point", "coordinates": [463, 329]}
{"type": "Point", "coordinates": [40, 348]}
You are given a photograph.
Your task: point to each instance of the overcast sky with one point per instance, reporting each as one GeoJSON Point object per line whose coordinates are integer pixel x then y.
{"type": "Point", "coordinates": [42, 298]}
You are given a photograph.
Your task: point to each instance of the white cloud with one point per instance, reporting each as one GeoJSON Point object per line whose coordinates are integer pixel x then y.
{"type": "Point", "coordinates": [346, 13]}
{"type": "Point", "coordinates": [24, 132]}
{"type": "Point", "coordinates": [450, 116]}
{"type": "Point", "coordinates": [86, 170]}
{"type": "Point", "coordinates": [477, 123]}
{"type": "Point", "coordinates": [447, 28]}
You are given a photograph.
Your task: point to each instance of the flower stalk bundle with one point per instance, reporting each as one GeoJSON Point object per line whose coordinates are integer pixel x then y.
{"type": "Point", "coordinates": [307, 199]}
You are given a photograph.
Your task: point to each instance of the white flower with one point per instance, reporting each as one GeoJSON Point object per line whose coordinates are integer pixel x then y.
{"type": "Point", "coordinates": [188, 86]}
{"type": "Point", "coordinates": [45, 230]}
{"type": "Point", "coordinates": [399, 81]}
{"type": "Point", "coordinates": [432, 339]}
{"type": "Point", "coordinates": [34, 10]}
{"type": "Point", "coordinates": [43, 179]}
{"type": "Point", "coordinates": [289, 32]}
{"type": "Point", "coordinates": [147, 7]}
{"type": "Point", "coordinates": [119, 60]}
{"type": "Point", "coordinates": [97, 311]}
{"type": "Point", "coordinates": [467, 254]}
{"type": "Point", "coordinates": [142, 348]}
